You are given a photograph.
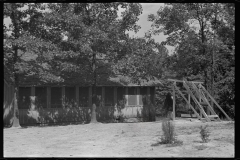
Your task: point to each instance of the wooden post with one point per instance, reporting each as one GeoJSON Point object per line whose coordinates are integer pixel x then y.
{"type": "Point", "coordinates": [48, 97]}
{"type": "Point", "coordinates": [63, 96]}
{"type": "Point", "coordinates": [77, 95]}
{"type": "Point", "coordinates": [174, 101]}
{"type": "Point", "coordinates": [90, 97]}
{"type": "Point", "coordinates": [103, 96]}
{"type": "Point", "coordinates": [115, 95]}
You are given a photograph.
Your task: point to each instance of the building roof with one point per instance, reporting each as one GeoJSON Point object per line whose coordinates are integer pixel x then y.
{"type": "Point", "coordinates": [87, 81]}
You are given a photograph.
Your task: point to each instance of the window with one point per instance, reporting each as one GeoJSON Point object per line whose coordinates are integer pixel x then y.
{"type": "Point", "coordinates": [132, 96]}
{"type": "Point", "coordinates": [24, 97]}
{"type": "Point", "coordinates": [152, 94]}
{"type": "Point", "coordinates": [56, 97]}
{"type": "Point", "coordinates": [109, 96]}
{"type": "Point", "coordinates": [83, 96]}
{"type": "Point", "coordinates": [143, 93]}
{"type": "Point", "coordinates": [120, 95]}
{"type": "Point", "coordinates": [99, 95]}
{"type": "Point", "coordinates": [41, 97]}
{"type": "Point", "coordinates": [70, 96]}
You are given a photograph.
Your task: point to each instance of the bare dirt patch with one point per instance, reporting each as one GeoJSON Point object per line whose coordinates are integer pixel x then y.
{"type": "Point", "coordinates": [118, 140]}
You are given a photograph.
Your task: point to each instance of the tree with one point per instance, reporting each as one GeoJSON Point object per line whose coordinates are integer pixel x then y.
{"type": "Point", "coordinates": [144, 61]}
{"type": "Point", "coordinates": [96, 37]}
{"type": "Point", "coordinates": [24, 52]}
{"type": "Point", "coordinates": [195, 29]}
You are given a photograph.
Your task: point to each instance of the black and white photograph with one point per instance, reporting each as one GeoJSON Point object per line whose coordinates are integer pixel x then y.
{"type": "Point", "coordinates": [119, 79]}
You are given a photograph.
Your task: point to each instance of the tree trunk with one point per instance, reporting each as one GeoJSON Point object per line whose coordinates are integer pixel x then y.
{"type": "Point", "coordinates": [14, 18]}
{"type": "Point", "coordinates": [94, 96]}
{"type": "Point", "coordinates": [15, 122]}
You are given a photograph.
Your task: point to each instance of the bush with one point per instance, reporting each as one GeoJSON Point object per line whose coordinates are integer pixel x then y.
{"type": "Point", "coordinates": [204, 133]}
{"type": "Point", "coordinates": [169, 135]}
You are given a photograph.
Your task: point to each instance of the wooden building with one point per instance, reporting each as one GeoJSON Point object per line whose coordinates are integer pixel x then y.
{"type": "Point", "coordinates": [66, 103]}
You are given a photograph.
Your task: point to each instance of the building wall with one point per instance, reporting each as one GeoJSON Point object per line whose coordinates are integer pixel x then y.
{"type": "Point", "coordinates": [73, 104]}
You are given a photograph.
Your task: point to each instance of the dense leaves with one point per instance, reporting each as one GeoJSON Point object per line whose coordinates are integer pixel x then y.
{"type": "Point", "coordinates": [203, 34]}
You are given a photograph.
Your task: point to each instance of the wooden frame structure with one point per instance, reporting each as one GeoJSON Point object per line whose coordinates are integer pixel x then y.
{"type": "Point", "coordinates": [200, 96]}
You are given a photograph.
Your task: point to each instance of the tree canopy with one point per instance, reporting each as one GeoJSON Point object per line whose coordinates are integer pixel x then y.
{"type": "Point", "coordinates": [203, 34]}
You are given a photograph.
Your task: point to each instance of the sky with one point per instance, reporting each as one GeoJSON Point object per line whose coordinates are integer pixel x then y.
{"type": "Point", "coordinates": [148, 8]}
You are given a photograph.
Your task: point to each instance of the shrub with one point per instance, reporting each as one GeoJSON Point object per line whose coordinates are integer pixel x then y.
{"type": "Point", "coordinates": [169, 135]}
{"type": "Point", "coordinates": [204, 133]}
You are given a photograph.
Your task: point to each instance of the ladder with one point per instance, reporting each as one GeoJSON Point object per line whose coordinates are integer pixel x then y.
{"type": "Point", "coordinates": [201, 97]}
{"type": "Point", "coordinates": [197, 95]}
{"type": "Point", "coordinates": [204, 91]}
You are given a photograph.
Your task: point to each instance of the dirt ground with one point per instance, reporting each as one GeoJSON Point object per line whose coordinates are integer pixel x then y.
{"type": "Point", "coordinates": [119, 140]}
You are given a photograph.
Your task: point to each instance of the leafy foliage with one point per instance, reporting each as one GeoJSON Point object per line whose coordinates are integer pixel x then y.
{"type": "Point", "coordinates": [169, 135]}
{"type": "Point", "coordinates": [203, 34]}
{"type": "Point", "coordinates": [204, 132]}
